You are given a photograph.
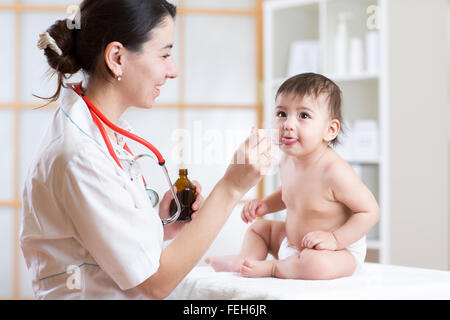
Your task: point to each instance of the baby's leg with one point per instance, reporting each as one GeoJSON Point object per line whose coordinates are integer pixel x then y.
{"type": "Point", "coordinates": [316, 265]}
{"type": "Point", "coordinates": [261, 238]}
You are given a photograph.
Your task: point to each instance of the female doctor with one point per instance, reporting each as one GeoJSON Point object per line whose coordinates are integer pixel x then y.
{"type": "Point", "coordinates": [89, 231]}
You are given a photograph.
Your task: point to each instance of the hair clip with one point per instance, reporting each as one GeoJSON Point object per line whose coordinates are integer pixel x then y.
{"type": "Point", "coordinates": [45, 40]}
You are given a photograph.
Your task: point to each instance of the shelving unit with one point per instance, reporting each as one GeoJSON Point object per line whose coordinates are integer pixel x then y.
{"type": "Point", "coordinates": [286, 21]}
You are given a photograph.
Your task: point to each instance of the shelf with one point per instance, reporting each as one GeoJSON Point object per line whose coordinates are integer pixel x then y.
{"type": "Point", "coordinates": [353, 77]}
{"type": "Point", "coordinates": [363, 161]}
{"type": "Point", "coordinates": [289, 4]}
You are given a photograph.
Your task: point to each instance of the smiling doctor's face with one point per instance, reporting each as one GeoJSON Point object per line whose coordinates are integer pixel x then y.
{"type": "Point", "coordinates": [144, 72]}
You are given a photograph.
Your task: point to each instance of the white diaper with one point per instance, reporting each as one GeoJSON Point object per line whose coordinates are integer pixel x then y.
{"type": "Point", "coordinates": [357, 249]}
{"type": "Point", "coordinates": [285, 251]}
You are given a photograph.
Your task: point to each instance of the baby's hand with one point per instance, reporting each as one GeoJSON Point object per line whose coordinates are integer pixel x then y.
{"type": "Point", "coordinates": [253, 209]}
{"type": "Point", "coordinates": [319, 240]}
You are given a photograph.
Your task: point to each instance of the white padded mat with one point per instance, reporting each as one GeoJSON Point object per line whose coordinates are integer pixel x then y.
{"type": "Point", "coordinates": [375, 281]}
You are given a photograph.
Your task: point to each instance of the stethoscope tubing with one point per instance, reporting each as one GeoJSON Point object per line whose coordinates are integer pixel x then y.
{"type": "Point", "coordinates": [123, 132]}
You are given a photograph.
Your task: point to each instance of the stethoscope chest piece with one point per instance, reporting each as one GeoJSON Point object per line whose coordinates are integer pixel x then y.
{"type": "Point", "coordinates": [153, 196]}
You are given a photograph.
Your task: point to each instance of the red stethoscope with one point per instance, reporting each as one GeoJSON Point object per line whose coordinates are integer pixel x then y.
{"type": "Point", "coordinates": [98, 119]}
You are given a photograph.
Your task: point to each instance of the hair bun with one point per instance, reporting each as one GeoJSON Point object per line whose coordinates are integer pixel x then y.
{"type": "Point", "coordinates": [66, 63]}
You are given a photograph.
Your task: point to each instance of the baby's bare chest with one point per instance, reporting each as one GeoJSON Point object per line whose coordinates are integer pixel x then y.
{"type": "Point", "coordinates": [308, 194]}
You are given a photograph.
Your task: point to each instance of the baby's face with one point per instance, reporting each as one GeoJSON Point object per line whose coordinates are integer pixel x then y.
{"type": "Point", "coordinates": [302, 123]}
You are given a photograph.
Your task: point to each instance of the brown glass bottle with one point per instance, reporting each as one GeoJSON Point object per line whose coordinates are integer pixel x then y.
{"type": "Point", "coordinates": [186, 195]}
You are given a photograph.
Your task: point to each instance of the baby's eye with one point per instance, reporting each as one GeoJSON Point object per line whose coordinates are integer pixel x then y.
{"type": "Point", "coordinates": [166, 56]}
{"type": "Point", "coordinates": [304, 115]}
{"type": "Point", "coordinates": [280, 114]}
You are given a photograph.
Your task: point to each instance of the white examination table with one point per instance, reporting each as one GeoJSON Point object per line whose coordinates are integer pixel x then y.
{"type": "Point", "coordinates": [376, 281]}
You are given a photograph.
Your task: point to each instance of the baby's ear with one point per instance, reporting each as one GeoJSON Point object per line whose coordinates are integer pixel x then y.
{"type": "Point", "coordinates": [333, 129]}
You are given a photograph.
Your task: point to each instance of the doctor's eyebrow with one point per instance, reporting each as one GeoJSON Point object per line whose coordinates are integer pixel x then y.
{"type": "Point", "coordinates": [169, 46]}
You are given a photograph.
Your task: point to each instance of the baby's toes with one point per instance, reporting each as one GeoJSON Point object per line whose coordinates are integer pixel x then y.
{"type": "Point", "coordinates": [246, 268]}
{"type": "Point", "coordinates": [245, 271]}
{"type": "Point", "coordinates": [248, 263]}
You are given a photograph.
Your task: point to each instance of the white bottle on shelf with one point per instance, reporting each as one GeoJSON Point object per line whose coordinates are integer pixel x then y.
{"type": "Point", "coordinates": [356, 56]}
{"type": "Point", "coordinates": [341, 44]}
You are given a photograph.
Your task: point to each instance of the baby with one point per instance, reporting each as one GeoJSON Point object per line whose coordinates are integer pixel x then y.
{"type": "Point", "coordinates": [329, 210]}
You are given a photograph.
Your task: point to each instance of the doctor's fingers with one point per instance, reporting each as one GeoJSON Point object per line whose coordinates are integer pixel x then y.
{"type": "Point", "coordinates": [194, 215]}
{"type": "Point", "coordinates": [246, 153]}
{"type": "Point", "coordinates": [198, 202]}
{"type": "Point", "coordinates": [198, 187]}
{"type": "Point", "coordinates": [259, 147]}
{"type": "Point", "coordinates": [256, 137]}
{"type": "Point", "coordinates": [168, 195]}
{"type": "Point", "coordinates": [264, 153]}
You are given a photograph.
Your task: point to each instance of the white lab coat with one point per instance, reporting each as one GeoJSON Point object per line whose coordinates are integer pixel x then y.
{"type": "Point", "coordinates": [87, 231]}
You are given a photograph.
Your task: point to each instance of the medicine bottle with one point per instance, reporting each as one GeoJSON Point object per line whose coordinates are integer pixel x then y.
{"type": "Point", "coordinates": [186, 195]}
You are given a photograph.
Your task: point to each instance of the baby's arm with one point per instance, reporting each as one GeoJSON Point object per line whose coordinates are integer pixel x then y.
{"type": "Point", "coordinates": [351, 191]}
{"type": "Point", "coordinates": [258, 208]}
{"type": "Point", "coordinates": [274, 202]}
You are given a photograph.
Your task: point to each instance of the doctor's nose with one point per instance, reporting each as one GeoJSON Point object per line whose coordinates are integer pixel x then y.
{"type": "Point", "coordinates": [172, 72]}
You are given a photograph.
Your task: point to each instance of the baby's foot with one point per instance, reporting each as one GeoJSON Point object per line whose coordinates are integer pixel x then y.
{"type": "Point", "coordinates": [225, 263]}
{"type": "Point", "coordinates": [257, 269]}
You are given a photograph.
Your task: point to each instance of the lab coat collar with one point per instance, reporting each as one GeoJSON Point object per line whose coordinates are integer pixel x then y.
{"type": "Point", "coordinates": [78, 113]}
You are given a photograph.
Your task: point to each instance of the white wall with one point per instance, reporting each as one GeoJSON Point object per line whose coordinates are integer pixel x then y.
{"type": "Point", "coordinates": [418, 104]}
{"type": "Point", "coordinates": [448, 102]}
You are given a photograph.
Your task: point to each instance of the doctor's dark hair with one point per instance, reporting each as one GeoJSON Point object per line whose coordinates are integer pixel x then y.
{"type": "Point", "coordinates": [314, 85]}
{"type": "Point", "coordinates": [129, 22]}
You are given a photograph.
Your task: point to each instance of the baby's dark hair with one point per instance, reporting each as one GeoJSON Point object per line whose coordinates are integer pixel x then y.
{"type": "Point", "coordinates": [314, 84]}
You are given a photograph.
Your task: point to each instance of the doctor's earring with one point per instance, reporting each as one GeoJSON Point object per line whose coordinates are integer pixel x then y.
{"type": "Point", "coordinates": [119, 77]}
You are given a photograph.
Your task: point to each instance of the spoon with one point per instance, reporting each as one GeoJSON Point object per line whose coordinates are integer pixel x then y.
{"type": "Point", "coordinates": [278, 143]}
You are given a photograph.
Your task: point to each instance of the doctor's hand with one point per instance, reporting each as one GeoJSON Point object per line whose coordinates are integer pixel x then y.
{"type": "Point", "coordinates": [173, 229]}
{"type": "Point", "coordinates": [253, 159]}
